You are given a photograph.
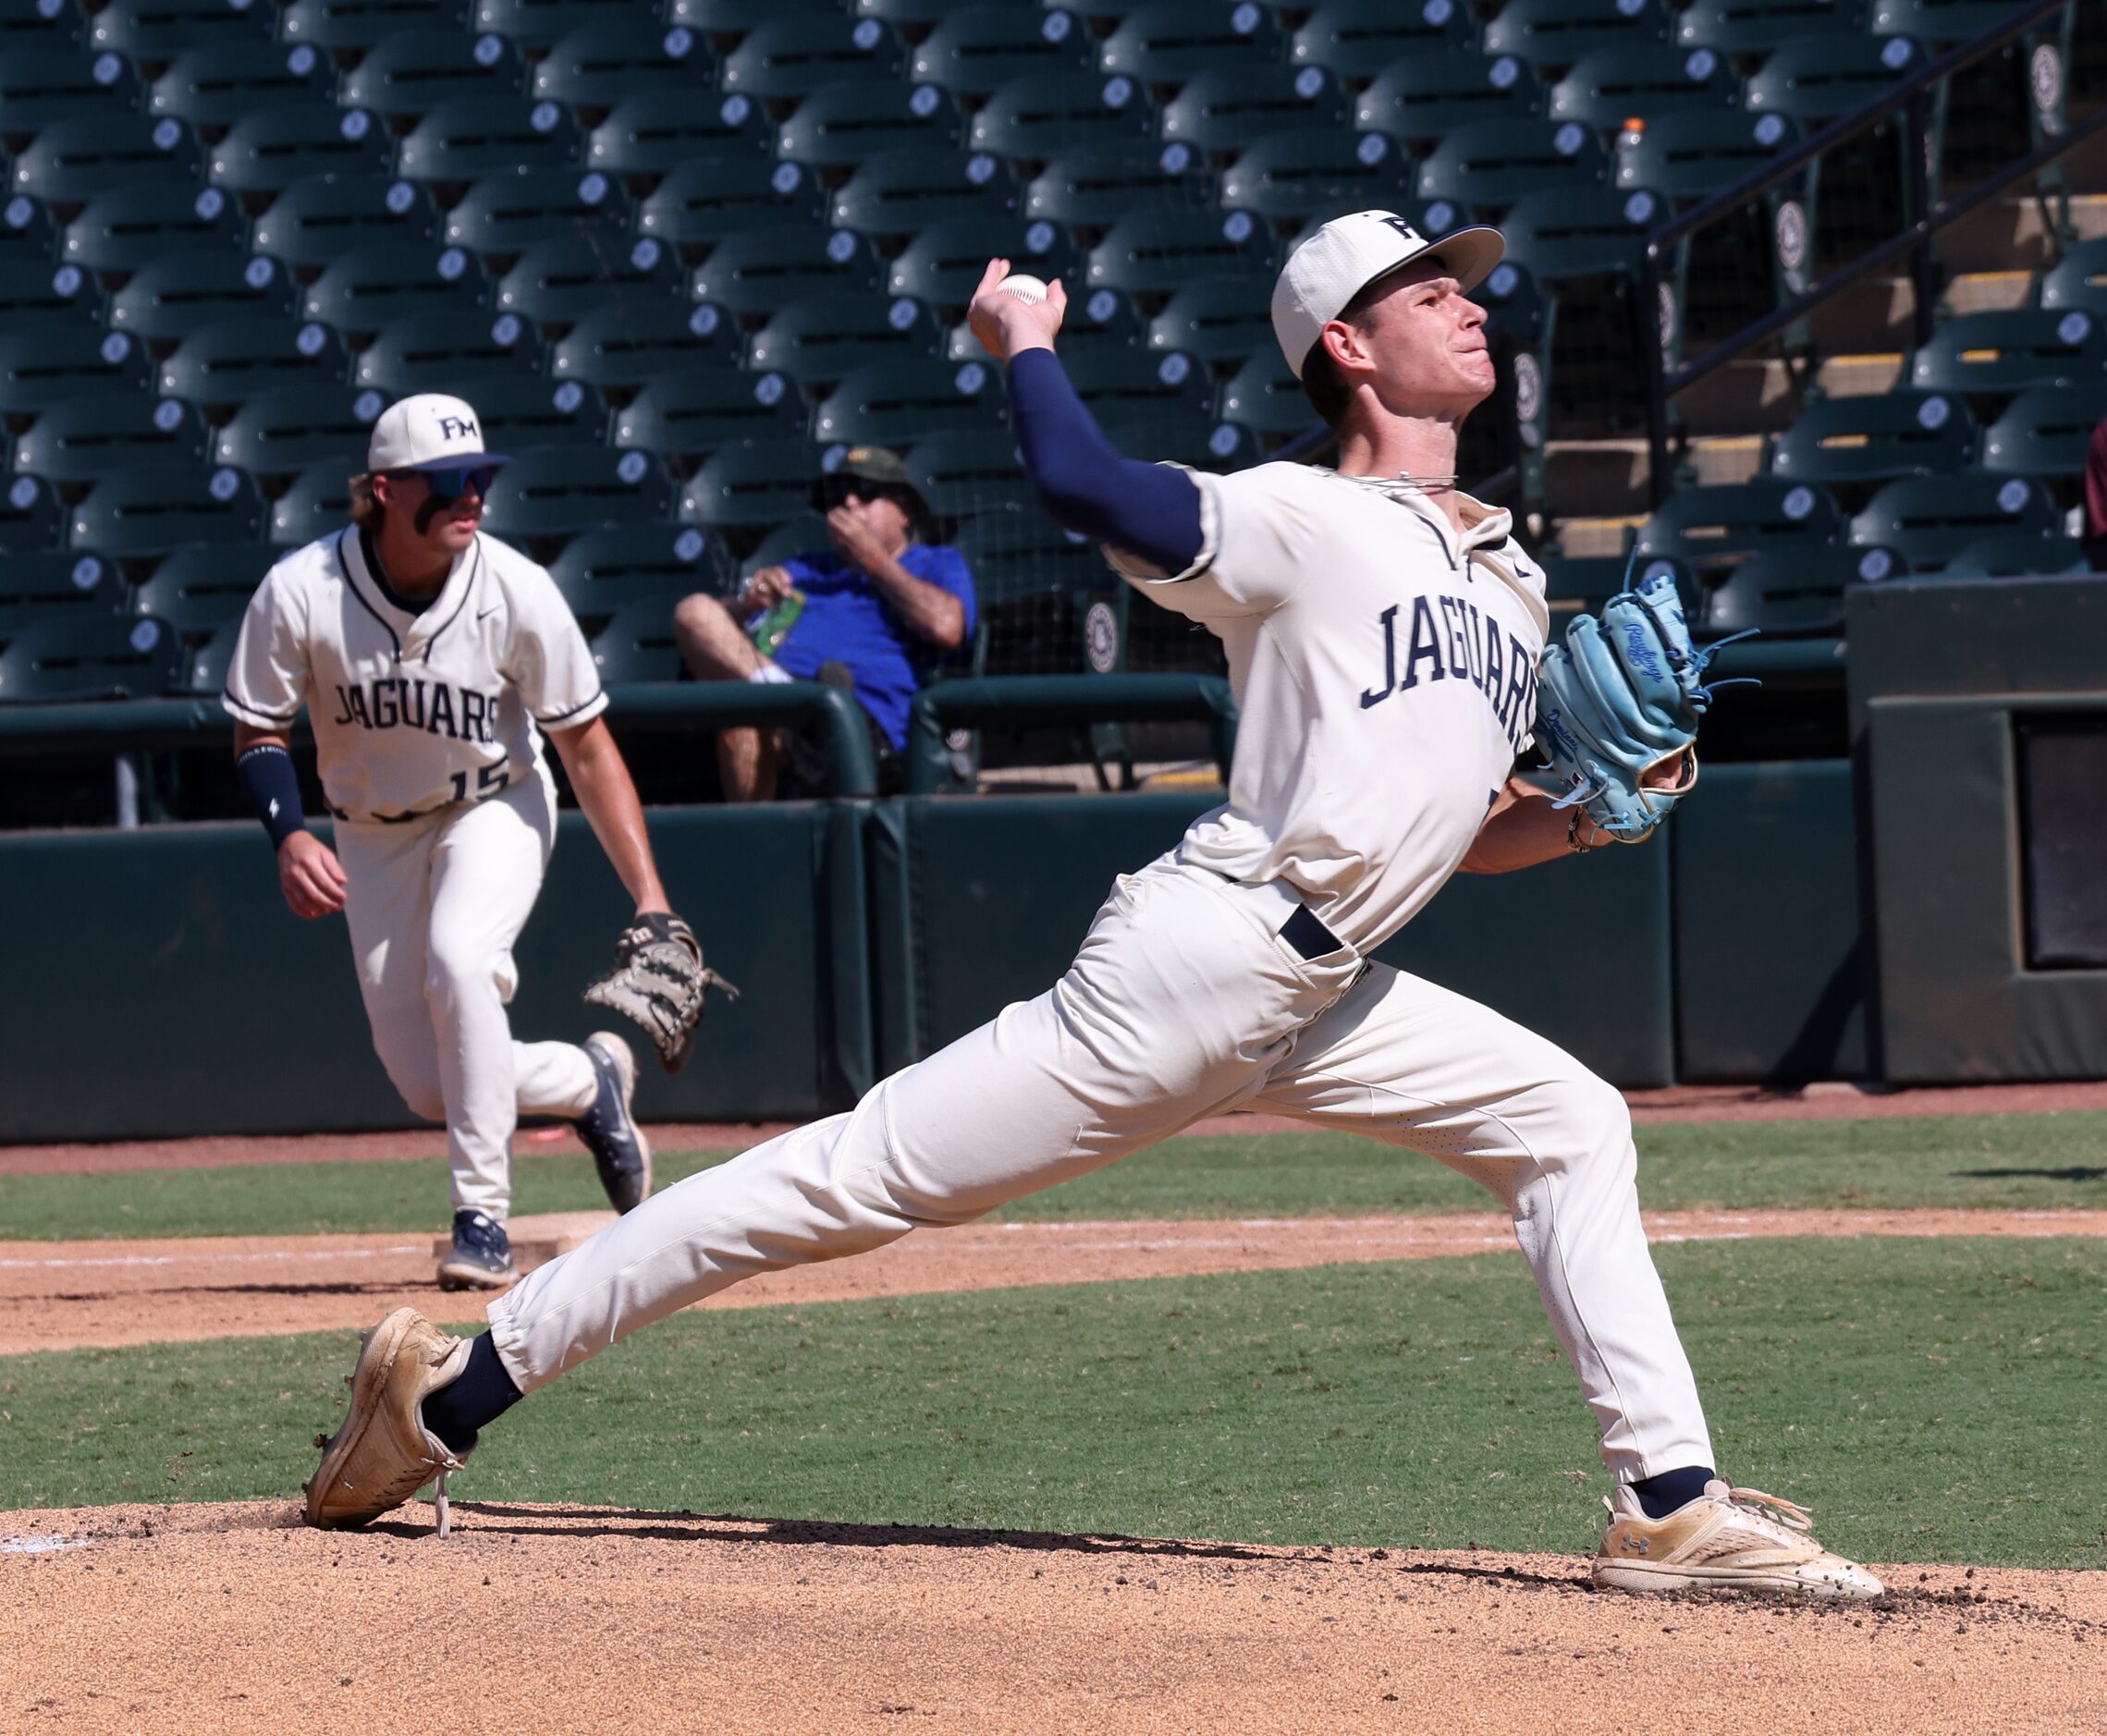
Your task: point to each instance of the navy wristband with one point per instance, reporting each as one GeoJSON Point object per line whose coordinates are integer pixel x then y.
{"type": "Point", "coordinates": [267, 773]}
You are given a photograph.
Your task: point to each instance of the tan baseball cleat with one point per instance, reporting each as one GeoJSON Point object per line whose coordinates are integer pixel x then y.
{"type": "Point", "coordinates": [384, 1453]}
{"type": "Point", "coordinates": [1723, 1540]}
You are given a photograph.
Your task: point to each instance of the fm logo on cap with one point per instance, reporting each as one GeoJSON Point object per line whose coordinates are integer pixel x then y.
{"type": "Point", "coordinates": [457, 428]}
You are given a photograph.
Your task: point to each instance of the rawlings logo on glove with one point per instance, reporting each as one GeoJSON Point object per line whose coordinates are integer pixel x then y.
{"type": "Point", "coordinates": [660, 981]}
{"type": "Point", "coordinates": [1618, 708]}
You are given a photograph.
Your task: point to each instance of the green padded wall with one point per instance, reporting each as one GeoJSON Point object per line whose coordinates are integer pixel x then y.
{"type": "Point", "coordinates": [174, 993]}
{"type": "Point", "coordinates": [1769, 969]}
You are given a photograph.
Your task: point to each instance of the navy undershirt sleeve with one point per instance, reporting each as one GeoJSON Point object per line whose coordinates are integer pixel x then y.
{"type": "Point", "coordinates": [267, 773]}
{"type": "Point", "coordinates": [1149, 510]}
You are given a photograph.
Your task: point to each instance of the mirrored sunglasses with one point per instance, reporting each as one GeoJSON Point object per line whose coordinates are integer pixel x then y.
{"type": "Point", "coordinates": [453, 483]}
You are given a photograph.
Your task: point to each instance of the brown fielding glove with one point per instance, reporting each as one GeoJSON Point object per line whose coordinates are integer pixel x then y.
{"type": "Point", "coordinates": [660, 981]}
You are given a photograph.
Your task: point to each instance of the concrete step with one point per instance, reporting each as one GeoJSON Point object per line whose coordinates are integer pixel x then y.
{"type": "Point", "coordinates": [1725, 460]}
{"type": "Point", "coordinates": [1751, 395]}
{"type": "Point", "coordinates": [1860, 375]}
{"type": "Point", "coordinates": [1986, 292]}
{"type": "Point", "coordinates": [1578, 538]}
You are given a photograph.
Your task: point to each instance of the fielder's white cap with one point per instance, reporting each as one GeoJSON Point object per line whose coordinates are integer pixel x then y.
{"type": "Point", "coordinates": [429, 431]}
{"type": "Point", "coordinates": [1334, 263]}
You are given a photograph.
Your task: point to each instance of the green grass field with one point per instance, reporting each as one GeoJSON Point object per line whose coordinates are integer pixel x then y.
{"type": "Point", "coordinates": [1933, 1400]}
{"type": "Point", "coordinates": [2029, 1161]}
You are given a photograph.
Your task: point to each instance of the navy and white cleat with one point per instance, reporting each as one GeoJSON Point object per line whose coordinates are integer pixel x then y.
{"type": "Point", "coordinates": [480, 1257]}
{"type": "Point", "coordinates": [620, 1150]}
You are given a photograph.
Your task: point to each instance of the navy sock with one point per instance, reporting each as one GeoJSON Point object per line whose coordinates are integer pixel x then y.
{"type": "Point", "coordinates": [483, 1393]}
{"type": "Point", "coordinates": [1660, 1496]}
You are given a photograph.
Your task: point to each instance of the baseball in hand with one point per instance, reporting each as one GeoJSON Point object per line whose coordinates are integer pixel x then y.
{"type": "Point", "coordinates": [1024, 287]}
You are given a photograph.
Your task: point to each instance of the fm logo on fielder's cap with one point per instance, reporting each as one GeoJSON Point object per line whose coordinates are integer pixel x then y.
{"type": "Point", "coordinates": [429, 431]}
{"type": "Point", "coordinates": [1347, 254]}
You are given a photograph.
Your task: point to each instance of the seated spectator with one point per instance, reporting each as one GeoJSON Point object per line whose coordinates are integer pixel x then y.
{"type": "Point", "coordinates": [880, 608]}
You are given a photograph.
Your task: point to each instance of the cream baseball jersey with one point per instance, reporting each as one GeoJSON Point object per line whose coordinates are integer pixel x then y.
{"type": "Point", "coordinates": [413, 708]}
{"type": "Point", "coordinates": [1384, 669]}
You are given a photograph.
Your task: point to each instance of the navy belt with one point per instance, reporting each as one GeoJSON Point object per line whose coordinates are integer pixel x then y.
{"type": "Point", "coordinates": [1307, 936]}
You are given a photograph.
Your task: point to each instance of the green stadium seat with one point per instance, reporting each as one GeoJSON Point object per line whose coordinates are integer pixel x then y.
{"type": "Point", "coordinates": [1156, 387]}
{"type": "Point", "coordinates": [39, 369]}
{"type": "Point", "coordinates": [1580, 232]}
{"type": "Point", "coordinates": [216, 86]}
{"type": "Point", "coordinates": [90, 657]}
{"type": "Point", "coordinates": [708, 198]}
{"type": "Point", "coordinates": [1217, 319]}
{"type": "Point", "coordinates": [558, 490]}
{"type": "Point", "coordinates": [1685, 156]}
{"type": "Point", "coordinates": [636, 646]}
{"type": "Point", "coordinates": [1044, 114]}
{"type": "Point", "coordinates": [612, 566]}
{"type": "Point", "coordinates": [159, 30]}
{"type": "Point", "coordinates": [2077, 280]}
{"type": "Point", "coordinates": [942, 266]}
{"type": "Point", "coordinates": [71, 162]}
{"type": "Point", "coordinates": [794, 56]}
{"type": "Point", "coordinates": [2012, 351]}
{"type": "Point", "coordinates": [1222, 111]}
{"type": "Point", "coordinates": [364, 288]}
{"type": "Point", "coordinates": [204, 670]}
{"type": "Point", "coordinates": [203, 586]}
{"type": "Point", "coordinates": [315, 220]}
{"type": "Point", "coordinates": [965, 473]}
{"type": "Point", "coordinates": [151, 509]}
{"type": "Point", "coordinates": [2012, 554]}
{"type": "Point", "coordinates": [751, 484]}
{"type": "Point", "coordinates": [1157, 251]}
{"type": "Point", "coordinates": [687, 416]}
{"type": "Point", "coordinates": [624, 343]}
{"type": "Point", "coordinates": [726, 21]}
{"type": "Point", "coordinates": [1876, 438]}
{"type": "Point", "coordinates": [566, 277]}
{"type": "Point", "coordinates": [1928, 519]}
{"type": "Point", "coordinates": [1558, 34]}
{"type": "Point", "coordinates": [753, 271]}
{"type": "Point", "coordinates": [224, 363]}
{"type": "Point", "coordinates": [1494, 162]}
{"type": "Point", "coordinates": [818, 339]}
{"type": "Point", "coordinates": [1168, 41]}
{"type": "Point", "coordinates": [1420, 101]}
{"type": "Point", "coordinates": [840, 125]}
{"type": "Point", "coordinates": [448, 352]}
{"type": "Point", "coordinates": [169, 297]}
{"type": "Point", "coordinates": [42, 84]}
{"type": "Point", "coordinates": [1610, 85]}
{"type": "Point", "coordinates": [2042, 433]}
{"type": "Point", "coordinates": [1291, 176]}
{"type": "Point", "coordinates": [125, 230]}
{"type": "Point", "coordinates": [1264, 397]}
{"type": "Point", "coordinates": [284, 430]}
{"type": "Point", "coordinates": [349, 25]}
{"type": "Point", "coordinates": [1093, 190]}
{"type": "Point", "coordinates": [899, 192]}
{"type": "Point", "coordinates": [36, 292]}
{"type": "Point", "coordinates": [1097, 319]}
{"type": "Point", "coordinates": [517, 410]}
{"type": "Point", "coordinates": [1785, 593]}
{"type": "Point", "coordinates": [538, 25]}
{"type": "Point", "coordinates": [895, 403]}
{"type": "Point", "coordinates": [48, 584]}
{"type": "Point", "coordinates": [1816, 79]}
{"type": "Point", "coordinates": [83, 439]}
{"type": "Point", "coordinates": [604, 63]}
{"type": "Point", "coordinates": [1940, 23]}
{"type": "Point", "coordinates": [45, 24]}
{"type": "Point", "coordinates": [974, 50]}
{"type": "Point", "coordinates": [1201, 443]}
{"type": "Point", "coordinates": [509, 212]}
{"type": "Point", "coordinates": [267, 153]}
{"type": "Point", "coordinates": [1035, 583]}
{"type": "Point", "coordinates": [30, 515]}
{"type": "Point", "coordinates": [404, 75]}
{"type": "Point", "coordinates": [1349, 36]}
{"type": "Point", "coordinates": [1756, 27]}
{"type": "Point", "coordinates": [318, 504]}
{"type": "Point", "coordinates": [655, 132]}
{"type": "Point", "coordinates": [26, 228]}
{"type": "Point", "coordinates": [1710, 528]}
{"type": "Point", "coordinates": [471, 137]}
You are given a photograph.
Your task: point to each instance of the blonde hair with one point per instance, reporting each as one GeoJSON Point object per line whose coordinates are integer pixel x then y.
{"type": "Point", "coordinates": [366, 512]}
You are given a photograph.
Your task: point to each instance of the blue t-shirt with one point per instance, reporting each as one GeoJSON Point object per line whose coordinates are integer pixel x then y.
{"type": "Point", "coordinates": [847, 619]}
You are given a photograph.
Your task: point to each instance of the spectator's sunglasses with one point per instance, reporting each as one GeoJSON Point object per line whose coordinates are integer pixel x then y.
{"type": "Point", "coordinates": [834, 490]}
{"type": "Point", "coordinates": [451, 483]}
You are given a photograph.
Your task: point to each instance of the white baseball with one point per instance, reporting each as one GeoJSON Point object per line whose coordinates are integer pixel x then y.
{"type": "Point", "coordinates": [1024, 287]}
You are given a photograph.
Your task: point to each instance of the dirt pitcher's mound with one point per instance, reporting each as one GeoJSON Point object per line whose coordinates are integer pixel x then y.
{"type": "Point", "coordinates": [550, 1617]}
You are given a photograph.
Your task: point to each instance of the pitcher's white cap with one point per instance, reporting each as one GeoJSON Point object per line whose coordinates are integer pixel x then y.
{"type": "Point", "coordinates": [1334, 263]}
{"type": "Point", "coordinates": [429, 431]}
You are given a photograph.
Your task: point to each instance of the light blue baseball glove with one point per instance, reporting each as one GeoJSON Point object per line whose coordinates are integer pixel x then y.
{"type": "Point", "coordinates": [1620, 701]}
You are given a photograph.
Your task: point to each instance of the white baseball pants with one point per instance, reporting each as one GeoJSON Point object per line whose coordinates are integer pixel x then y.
{"type": "Point", "coordinates": [433, 905]}
{"type": "Point", "coordinates": [1184, 1002]}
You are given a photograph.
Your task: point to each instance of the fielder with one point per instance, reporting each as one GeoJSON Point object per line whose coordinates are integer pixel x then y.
{"type": "Point", "coordinates": [1384, 635]}
{"type": "Point", "coordinates": [431, 658]}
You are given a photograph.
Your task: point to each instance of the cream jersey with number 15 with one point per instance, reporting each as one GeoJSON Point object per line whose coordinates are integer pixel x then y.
{"type": "Point", "coordinates": [413, 708]}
